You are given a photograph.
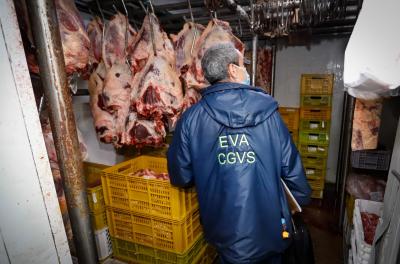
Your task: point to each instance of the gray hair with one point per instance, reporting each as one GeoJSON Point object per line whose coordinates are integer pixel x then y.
{"type": "Point", "coordinates": [216, 60]}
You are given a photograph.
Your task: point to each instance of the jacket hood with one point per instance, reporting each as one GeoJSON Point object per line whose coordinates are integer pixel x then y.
{"type": "Point", "coordinates": [237, 105]}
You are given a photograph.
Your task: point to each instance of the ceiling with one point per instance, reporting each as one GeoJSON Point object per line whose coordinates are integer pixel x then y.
{"type": "Point", "coordinates": [173, 14]}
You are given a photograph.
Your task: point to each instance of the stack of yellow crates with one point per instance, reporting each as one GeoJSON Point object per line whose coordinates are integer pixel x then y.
{"type": "Point", "coordinates": [98, 217]}
{"type": "Point", "coordinates": [290, 116]}
{"type": "Point", "coordinates": [151, 221]}
{"type": "Point", "coordinates": [315, 116]}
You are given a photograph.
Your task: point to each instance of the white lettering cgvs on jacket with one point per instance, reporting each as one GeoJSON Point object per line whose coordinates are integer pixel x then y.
{"type": "Point", "coordinates": [236, 141]}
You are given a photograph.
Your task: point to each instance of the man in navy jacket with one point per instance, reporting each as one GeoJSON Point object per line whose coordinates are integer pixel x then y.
{"type": "Point", "coordinates": [234, 147]}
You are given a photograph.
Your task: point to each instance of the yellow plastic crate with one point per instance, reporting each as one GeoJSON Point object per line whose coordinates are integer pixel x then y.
{"type": "Point", "coordinates": [99, 220]}
{"type": "Point", "coordinates": [290, 117]}
{"type": "Point", "coordinates": [308, 100]}
{"type": "Point", "coordinates": [314, 161]}
{"type": "Point", "coordinates": [315, 126]}
{"type": "Point", "coordinates": [315, 113]}
{"type": "Point", "coordinates": [350, 202]}
{"type": "Point", "coordinates": [316, 83]}
{"type": "Point", "coordinates": [317, 184]}
{"type": "Point", "coordinates": [135, 253]}
{"type": "Point", "coordinates": [317, 194]}
{"type": "Point", "coordinates": [159, 233]}
{"type": "Point", "coordinates": [206, 256]}
{"type": "Point", "coordinates": [93, 172]}
{"type": "Point", "coordinates": [294, 135]}
{"type": "Point", "coordinates": [313, 150]}
{"type": "Point", "coordinates": [153, 197]}
{"type": "Point", "coordinates": [315, 173]}
{"type": "Point", "coordinates": [96, 199]}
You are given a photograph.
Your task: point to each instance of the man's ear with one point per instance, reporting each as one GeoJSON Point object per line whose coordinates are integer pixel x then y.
{"type": "Point", "coordinates": [232, 71]}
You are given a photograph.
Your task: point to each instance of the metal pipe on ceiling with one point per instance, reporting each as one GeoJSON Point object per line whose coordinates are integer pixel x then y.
{"type": "Point", "coordinates": [57, 93]}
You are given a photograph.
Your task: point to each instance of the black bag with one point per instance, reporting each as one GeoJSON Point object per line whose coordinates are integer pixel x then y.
{"type": "Point", "coordinates": [301, 250]}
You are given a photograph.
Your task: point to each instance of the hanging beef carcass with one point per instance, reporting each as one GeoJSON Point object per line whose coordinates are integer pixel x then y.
{"type": "Point", "coordinates": [141, 132]}
{"type": "Point", "coordinates": [184, 44]}
{"type": "Point", "coordinates": [103, 120]}
{"type": "Point", "coordinates": [75, 42]}
{"type": "Point", "coordinates": [157, 90]}
{"type": "Point", "coordinates": [216, 32]}
{"type": "Point", "coordinates": [148, 44]}
{"type": "Point", "coordinates": [95, 34]}
{"type": "Point", "coordinates": [118, 37]}
{"type": "Point", "coordinates": [191, 97]}
{"type": "Point", "coordinates": [117, 84]}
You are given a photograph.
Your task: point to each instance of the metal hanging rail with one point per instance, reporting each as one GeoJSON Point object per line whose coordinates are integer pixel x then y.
{"type": "Point", "coordinates": [57, 93]}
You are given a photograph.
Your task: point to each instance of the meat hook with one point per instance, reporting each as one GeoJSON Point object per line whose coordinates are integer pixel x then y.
{"type": "Point", "coordinates": [103, 20]}
{"type": "Point", "coordinates": [146, 10]}
{"type": "Point", "coordinates": [194, 26]}
{"type": "Point", "coordinates": [126, 33]}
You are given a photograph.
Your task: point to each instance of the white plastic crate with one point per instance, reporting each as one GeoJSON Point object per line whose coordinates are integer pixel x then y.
{"type": "Point", "coordinates": [362, 250]}
{"type": "Point", "coordinates": [103, 243]}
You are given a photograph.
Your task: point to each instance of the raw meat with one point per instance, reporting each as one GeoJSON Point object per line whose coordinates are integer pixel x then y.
{"type": "Point", "coordinates": [183, 43]}
{"type": "Point", "coordinates": [103, 121]}
{"type": "Point", "coordinates": [150, 175]}
{"type": "Point", "coordinates": [366, 123]}
{"type": "Point", "coordinates": [191, 97]}
{"type": "Point", "coordinates": [118, 37]}
{"type": "Point", "coordinates": [157, 91]}
{"type": "Point", "coordinates": [117, 84]}
{"type": "Point", "coordinates": [51, 152]}
{"type": "Point", "coordinates": [95, 34]}
{"type": "Point", "coordinates": [216, 32]}
{"type": "Point", "coordinates": [264, 69]}
{"type": "Point", "coordinates": [116, 94]}
{"type": "Point", "coordinates": [142, 48]}
{"type": "Point", "coordinates": [370, 222]}
{"type": "Point", "coordinates": [75, 41]}
{"type": "Point", "coordinates": [141, 132]}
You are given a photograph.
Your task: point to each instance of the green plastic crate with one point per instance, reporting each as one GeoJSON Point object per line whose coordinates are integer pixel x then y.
{"type": "Point", "coordinates": [322, 126]}
{"type": "Point", "coordinates": [316, 101]}
{"type": "Point", "coordinates": [315, 173]}
{"type": "Point", "coordinates": [314, 161]}
{"type": "Point", "coordinates": [320, 138]}
{"type": "Point", "coordinates": [313, 149]}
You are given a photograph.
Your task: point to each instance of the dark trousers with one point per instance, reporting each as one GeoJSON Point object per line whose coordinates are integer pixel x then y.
{"type": "Point", "coordinates": [276, 259]}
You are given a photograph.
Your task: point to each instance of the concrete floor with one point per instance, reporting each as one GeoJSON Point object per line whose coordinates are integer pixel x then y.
{"type": "Point", "coordinates": [321, 218]}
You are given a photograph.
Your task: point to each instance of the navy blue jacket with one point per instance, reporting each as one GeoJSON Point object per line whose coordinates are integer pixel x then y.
{"type": "Point", "coordinates": [234, 147]}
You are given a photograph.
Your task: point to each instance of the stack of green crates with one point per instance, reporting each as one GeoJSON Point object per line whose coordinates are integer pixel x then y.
{"type": "Point", "coordinates": [290, 116]}
{"type": "Point", "coordinates": [149, 220]}
{"type": "Point", "coordinates": [314, 126]}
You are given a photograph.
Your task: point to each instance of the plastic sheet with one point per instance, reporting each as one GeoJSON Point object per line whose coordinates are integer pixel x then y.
{"type": "Point", "coordinates": [366, 187]}
{"type": "Point", "coordinates": [372, 57]}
